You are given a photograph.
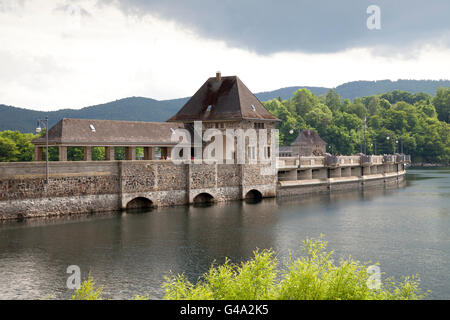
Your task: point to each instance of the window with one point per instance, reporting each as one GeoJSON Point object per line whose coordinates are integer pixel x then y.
{"type": "Point", "coordinates": [92, 127]}
{"type": "Point", "coordinates": [259, 125]}
{"type": "Point", "coordinates": [209, 108]}
{"type": "Point", "coordinates": [253, 108]}
{"type": "Point", "coordinates": [251, 152]}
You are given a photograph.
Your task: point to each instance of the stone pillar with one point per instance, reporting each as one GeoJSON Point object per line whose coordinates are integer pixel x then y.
{"type": "Point", "coordinates": [335, 173]}
{"type": "Point", "coordinates": [346, 172]}
{"type": "Point", "coordinates": [165, 153]}
{"type": "Point", "coordinates": [304, 174]}
{"type": "Point", "coordinates": [356, 171]}
{"type": "Point", "coordinates": [109, 153]}
{"type": "Point", "coordinates": [87, 153]}
{"type": "Point", "coordinates": [366, 171]}
{"type": "Point", "coordinates": [38, 153]}
{"type": "Point", "coordinates": [148, 153]}
{"type": "Point", "coordinates": [62, 152]}
{"type": "Point", "coordinates": [291, 175]}
{"type": "Point", "coordinates": [386, 168]}
{"type": "Point", "coordinates": [169, 153]}
{"type": "Point", "coordinates": [130, 153]}
{"type": "Point", "coordinates": [321, 173]}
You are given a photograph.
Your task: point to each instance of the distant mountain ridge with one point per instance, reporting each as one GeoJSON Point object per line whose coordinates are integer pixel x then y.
{"type": "Point", "coordinates": [146, 109]}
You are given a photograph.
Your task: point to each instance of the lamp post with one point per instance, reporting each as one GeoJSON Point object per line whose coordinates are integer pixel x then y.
{"type": "Point", "coordinates": [365, 127]}
{"type": "Point", "coordinates": [38, 130]}
{"type": "Point", "coordinates": [387, 138]}
{"type": "Point", "coordinates": [374, 147]}
{"type": "Point", "coordinates": [395, 145]}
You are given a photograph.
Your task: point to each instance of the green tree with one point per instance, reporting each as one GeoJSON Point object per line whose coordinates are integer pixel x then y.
{"type": "Point", "coordinates": [304, 101]}
{"type": "Point", "coordinates": [441, 101]}
{"type": "Point", "coordinates": [8, 150]}
{"type": "Point", "coordinates": [23, 144]}
{"type": "Point", "coordinates": [333, 101]}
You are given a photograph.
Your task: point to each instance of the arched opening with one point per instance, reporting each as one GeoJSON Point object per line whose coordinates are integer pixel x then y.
{"type": "Point", "coordinates": [139, 203]}
{"type": "Point", "coordinates": [203, 198]}
{"type": "Point", "coordinates": [253, 196]}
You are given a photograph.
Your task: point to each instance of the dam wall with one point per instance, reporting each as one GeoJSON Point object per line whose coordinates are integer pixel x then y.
{"type": "Point", "coordinates": [94, 186]}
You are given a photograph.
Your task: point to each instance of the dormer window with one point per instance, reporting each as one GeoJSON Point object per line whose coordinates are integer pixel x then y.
{"type": "Point", "coordinates": [253, 108]}
{"type": "Point", "coordinates": [209, 108]}
{"type": "Point", "coordinates": [92, 127]}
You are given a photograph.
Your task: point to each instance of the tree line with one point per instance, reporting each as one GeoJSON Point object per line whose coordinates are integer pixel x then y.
{"type": "Point", "coordinates": [417, 124]}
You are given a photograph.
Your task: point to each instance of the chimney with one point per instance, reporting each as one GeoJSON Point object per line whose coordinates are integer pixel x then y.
{"type": "Point", "coordinates": [218, 76]}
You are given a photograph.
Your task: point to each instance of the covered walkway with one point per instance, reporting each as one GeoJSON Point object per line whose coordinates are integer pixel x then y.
{"type": "Point", "coordinates": [120, 140]}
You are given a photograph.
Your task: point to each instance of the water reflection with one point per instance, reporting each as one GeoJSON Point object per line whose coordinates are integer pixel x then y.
{"type": "Point", "coordinates": [405, 229]}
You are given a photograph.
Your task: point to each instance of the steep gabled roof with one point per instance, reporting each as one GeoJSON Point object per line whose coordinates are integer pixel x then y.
{"type": "Point", "coordinates": [84, 132]}
{"type": "Point", "coordinates": [228, 98]}
{"type": "Point", "coordinates": [309, 137]}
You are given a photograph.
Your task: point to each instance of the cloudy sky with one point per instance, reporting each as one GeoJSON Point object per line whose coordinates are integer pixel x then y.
{"type": "Point", "coordinates": [70, 54]}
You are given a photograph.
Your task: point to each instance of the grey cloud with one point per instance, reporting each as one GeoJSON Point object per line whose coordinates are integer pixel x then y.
{"type": "Point", "coordinates": [267, 27]}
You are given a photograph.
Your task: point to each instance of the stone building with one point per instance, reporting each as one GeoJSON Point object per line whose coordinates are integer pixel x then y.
{"type": "Point", "coordinates": [226, 103]}
{"type": "Point", "coordinates": [221, 103]}
{"type": "Point", "coordinates": [308, 143]}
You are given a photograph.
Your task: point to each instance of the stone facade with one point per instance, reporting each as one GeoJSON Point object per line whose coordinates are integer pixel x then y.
{"type": "Point", "coordinates": [110, 185]}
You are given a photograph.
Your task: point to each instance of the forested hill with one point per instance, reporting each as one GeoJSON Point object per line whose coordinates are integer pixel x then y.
{"type": "Point", "coordinates": [145, 109]}
{"type": "Point", "coordinates": [354, 89]}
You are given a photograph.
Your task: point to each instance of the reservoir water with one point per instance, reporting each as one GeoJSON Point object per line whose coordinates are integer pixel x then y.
{"type": "Point", "coordinates": [405, 229]}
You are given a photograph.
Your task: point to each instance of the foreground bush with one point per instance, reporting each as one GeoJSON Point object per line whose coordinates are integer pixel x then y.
{"type": "Point", "coordinates": [314, 276]}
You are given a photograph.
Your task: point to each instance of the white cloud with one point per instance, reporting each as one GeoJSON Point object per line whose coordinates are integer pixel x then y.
{"type": "Point", "coordinates": [52, 58]}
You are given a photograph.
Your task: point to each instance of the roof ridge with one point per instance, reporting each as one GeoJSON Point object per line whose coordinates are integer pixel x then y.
{"type": "Point", "coordinates": [239, 95]}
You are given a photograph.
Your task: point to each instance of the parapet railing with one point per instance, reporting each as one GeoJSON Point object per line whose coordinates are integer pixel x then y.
{"type": "Point", "coordinates": [377, 159]}
{"type": "Point", "coordinates": [312, 161]}
{"type": "Point", "coordinates": [287, 161]}
{"type": "Point", "coordinates": [389, 158]}
{"type": "Point", "coordinates": [341, 161]}
{"type": "Point", "coordinates": [402, 158]}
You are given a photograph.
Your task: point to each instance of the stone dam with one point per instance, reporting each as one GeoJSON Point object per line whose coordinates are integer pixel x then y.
{"type": "Point", "coordinates": [94, 186]}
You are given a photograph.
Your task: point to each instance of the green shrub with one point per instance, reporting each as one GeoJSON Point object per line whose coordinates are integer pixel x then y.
{"type": "Point", "coordinates": [88, 290]}
{"type": "Point", "coordinates": [314, 276]}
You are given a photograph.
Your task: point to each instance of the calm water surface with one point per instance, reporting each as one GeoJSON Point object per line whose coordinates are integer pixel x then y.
{"type": "Point", "coordinates": [406, 230]}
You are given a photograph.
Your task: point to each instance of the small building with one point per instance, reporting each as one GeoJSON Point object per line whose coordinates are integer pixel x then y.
{"type": "Point", "coordinates": [308, 143]}
{"type": "Point", "coordinates": [284, 151]}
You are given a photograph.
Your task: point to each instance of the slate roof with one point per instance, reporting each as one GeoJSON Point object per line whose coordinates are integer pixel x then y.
{"type": "Point", "coordinates": [229, 99]}
{"type": "Point", "coordinates": [78, 132]}
{"type": "Point", "coordinates": [308, 137]}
